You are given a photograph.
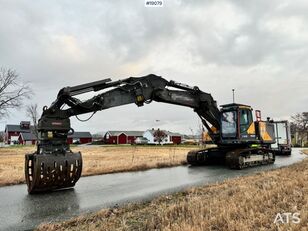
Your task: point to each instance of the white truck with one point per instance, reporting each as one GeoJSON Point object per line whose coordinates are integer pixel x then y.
{"type": "Point", "coordinates": [283, 138]}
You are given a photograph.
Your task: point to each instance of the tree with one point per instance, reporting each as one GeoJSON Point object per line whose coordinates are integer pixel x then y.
{"type": "Point", "coordinates": [299, 127]}
{"type": "Point", "coordinates": [159, 135]}
{"type": "Point", "coordinates": [1, 137]}
{"type": "Point", "coordinates": [32, 112]}
{"type": "Point", "coordinates": [12, 92]}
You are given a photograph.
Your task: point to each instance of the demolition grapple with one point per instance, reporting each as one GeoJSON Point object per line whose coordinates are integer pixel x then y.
{"type": "Point", "coordinates": [53, 166]}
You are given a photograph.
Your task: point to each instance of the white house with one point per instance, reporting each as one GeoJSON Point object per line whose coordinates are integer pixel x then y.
{"type": "Point", "coordinates": [167, 138]}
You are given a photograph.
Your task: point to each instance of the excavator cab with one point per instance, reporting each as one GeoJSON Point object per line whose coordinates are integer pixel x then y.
{"type": "Point", "coordinates": [237, 125]}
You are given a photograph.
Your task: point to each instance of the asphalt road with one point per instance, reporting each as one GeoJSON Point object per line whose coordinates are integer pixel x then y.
{"type": "Point", "coordinates": [20, 211]}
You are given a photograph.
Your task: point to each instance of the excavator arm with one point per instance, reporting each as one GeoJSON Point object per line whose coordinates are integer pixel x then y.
{"type": "Point", "coordinates": [138, 90]}
{"type": "Point", "coordinates": [54, 166]}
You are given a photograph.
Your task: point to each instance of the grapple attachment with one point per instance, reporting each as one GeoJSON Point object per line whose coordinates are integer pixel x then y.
{"type": "Point", "coordinates": [46, 172]}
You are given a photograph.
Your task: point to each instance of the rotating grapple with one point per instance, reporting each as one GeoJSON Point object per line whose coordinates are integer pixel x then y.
{"type": "Point", "coordinates": [45, 172]}
{"type": "Point", "coordinates": [53, 166]}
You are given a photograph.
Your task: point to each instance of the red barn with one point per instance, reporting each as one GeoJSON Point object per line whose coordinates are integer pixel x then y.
{"type": "Point", "coordinates": [176, 138]}
{"type": "Point", "coordinates": [122, 137]}
{"type": "Point", "coordinates": [12, 131]}
{"type": "Point", "coordinates": [79, 138]}
{"type": "Point", "coordinates": [26, 138]}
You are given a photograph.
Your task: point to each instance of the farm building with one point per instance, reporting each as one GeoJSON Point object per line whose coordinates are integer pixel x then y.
{"type": "Point", "coordinates": [166, 137]}
{"type": "Point", "coordinates": [79, 138]}
{"type": "Point", "coordinates": [26, 138]}
{"type": "Point", "coordinates": [12, 131]}
{"type": "Point", "coordinates": [76, 138]}
{"type": "Point", "coordinates": [122, 137]}
{"type": "Point", "coordinates": [22, 134]}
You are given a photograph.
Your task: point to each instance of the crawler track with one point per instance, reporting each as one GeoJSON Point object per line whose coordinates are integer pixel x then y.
{"type": "Point", "coordinates": [235, 159]}
{"type": "Point", "coordinates": [244, 158]}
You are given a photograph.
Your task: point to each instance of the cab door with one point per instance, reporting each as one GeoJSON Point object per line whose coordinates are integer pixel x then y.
{"type": "Point", "coordinates": [246, 125]}
{"type": "Point", "coordinates": [229, 125]}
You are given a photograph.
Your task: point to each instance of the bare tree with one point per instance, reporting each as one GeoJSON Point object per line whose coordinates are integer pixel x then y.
{"type": "Point", "coordinates": [32, 112]}
{"type": "Point", "coordinates": [12, 92]}
{"type": "Point", "coordinates": [299, 128]}
{"type": "Point", "coordinates": [1, 136]}
{"type": "Point", "coordinates": [159, 135]}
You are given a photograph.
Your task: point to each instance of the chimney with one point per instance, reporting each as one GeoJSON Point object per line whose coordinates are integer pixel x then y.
{"type": "Point", "coordinates": [25, 124]}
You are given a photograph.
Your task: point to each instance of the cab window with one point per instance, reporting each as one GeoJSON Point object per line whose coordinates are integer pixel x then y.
{"type": "Point", "coordinates": [245, 119]}
{"type": "Point", "coordinates": [228, 124]}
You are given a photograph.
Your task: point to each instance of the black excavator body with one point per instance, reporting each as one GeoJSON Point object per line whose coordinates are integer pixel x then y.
{"type": "Point", "coordinates": [240, 141]}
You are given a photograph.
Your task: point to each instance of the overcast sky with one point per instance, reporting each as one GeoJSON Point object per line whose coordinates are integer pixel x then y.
{"type": "Point", "coordinates": [259, 48]}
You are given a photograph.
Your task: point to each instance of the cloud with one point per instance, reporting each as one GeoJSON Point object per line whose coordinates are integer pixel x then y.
{"type": "Point", "coordinates": [258, 48]}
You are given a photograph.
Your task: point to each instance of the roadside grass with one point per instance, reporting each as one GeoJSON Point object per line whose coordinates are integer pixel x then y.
{"type": "Point", "coordinates": [98, 159]}
{"type": "Point", "coordinates": [132, 158]}
{"type": "Point", "coordinates": [243, 203]}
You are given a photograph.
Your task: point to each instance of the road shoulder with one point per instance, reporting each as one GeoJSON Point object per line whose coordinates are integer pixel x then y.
{"type": "Point", "coordinates": [244, 203]}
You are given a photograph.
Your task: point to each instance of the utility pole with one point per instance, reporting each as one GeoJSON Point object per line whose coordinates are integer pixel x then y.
{"type": "Point", "coordinates": [233, 95]}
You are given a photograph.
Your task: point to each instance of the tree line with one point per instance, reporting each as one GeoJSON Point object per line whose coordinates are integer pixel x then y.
{"type": "Point", "coordinates": [299, 129]}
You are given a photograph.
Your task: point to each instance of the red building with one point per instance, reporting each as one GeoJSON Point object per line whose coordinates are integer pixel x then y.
{"type": "Point", "coordinates": [22, 134]}
{"type": "Point", "coordinates": [26, 138]}
{"type": "Point", "coordinates": [176, 138]}
{"type": "Point", "coordinates": [79, 138]}
{"type": "Point", "coordinates": [122, 137]}
{"type": "Point", "coordinates": [12, 131]}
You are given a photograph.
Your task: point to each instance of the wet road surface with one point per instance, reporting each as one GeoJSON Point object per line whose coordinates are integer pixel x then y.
{"type": "Point", "coordinates": [20, 211]}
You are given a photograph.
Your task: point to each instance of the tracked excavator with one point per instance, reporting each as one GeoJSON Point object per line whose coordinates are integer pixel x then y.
{"type": "Point", "coordinates": [241, 142]}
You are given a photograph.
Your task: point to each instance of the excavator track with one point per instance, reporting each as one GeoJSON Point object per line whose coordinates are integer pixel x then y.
{"type": "Point", "coordinates": [243, 158]}
{"type": "Point", "coordinates": [206, 156]}
{"type": "Point", "coordinates": [46, 172]}
{"type": "Point", "coordinates": [234, 159]}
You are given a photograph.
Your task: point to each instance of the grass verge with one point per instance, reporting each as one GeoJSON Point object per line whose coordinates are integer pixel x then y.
{"type": "Point", "coordinates": [98, 159]}
{"type": "Point", "coordinates": [245, 203]}
{"type": "Point", "coordinates": [305, 151]}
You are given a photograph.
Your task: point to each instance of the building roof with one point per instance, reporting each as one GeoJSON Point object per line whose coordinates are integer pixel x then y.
{"type": "Point", "coordinates": [128, 133]}
{"type": "Point", "coordinates": [27, 136]}
{"type": "Point", "coordinates": [166, 132]}
{"type": "Point", "coordinates": [16, 128]}
{"type": "Point", "coordinates": [80, 135]}
{"type": "Point", "coordinates": [191, 136]}
{"type": "Point", "coordinates": [234, 106]}
{"type": "Point", "coordinates": [173, 133]}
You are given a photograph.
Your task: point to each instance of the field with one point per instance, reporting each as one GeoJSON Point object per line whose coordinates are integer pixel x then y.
{"type": "Point", "coordinates": [98, 159]}
{"type": "Point", "coordinates": [244, 203]}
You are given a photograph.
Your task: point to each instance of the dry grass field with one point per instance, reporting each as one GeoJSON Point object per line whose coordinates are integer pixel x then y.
{"type": "Point", "coordinates": [98, 159]}
{"type": "Point", "coordinates": [245, 203]}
